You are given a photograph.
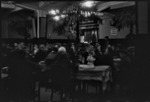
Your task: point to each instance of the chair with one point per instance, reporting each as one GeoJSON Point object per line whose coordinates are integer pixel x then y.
{"type": "Point", "coordinates": [61, 81]}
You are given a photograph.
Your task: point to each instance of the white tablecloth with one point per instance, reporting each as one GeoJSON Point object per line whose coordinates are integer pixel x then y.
{"type": "Point", "coordinates": [98, 73]}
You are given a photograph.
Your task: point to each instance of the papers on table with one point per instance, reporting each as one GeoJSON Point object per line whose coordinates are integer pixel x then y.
{"type": "Point", "coordinates": [87, 67]}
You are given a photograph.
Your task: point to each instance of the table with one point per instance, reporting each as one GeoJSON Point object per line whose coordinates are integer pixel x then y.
{"type": "Point", "coordinates": [99, 73]}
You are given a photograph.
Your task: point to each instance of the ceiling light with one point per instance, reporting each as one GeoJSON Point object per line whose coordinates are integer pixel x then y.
{"type": "Point", "coordinates": [56, 18]}
{"type": "Point", "coordinates": [57, 11]}
{"type": "Point", "coordinates": [53, 12]}
{"type": "Point", "coordinates": [88, 4]}
{"type": "Point", "coordinates": [63, 16]}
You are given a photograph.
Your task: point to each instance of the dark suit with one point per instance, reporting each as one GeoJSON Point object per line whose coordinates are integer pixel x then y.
{"type": "Point", "coordinates": [21, 74]}
{"type": "Point", "coordinates": [61, 72]}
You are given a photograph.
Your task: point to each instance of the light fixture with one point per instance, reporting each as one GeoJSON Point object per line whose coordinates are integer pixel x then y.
{"type": "Point", "coordinates": [62, 16]}
{"type": "Point", "coordinates": [56, 18]}
{"type": "Point", "coordinates": [53, 12]}
{"type": "Point", "coordinates": [57, 11]}
{"type": "Point", "coordinates": [88, 4]}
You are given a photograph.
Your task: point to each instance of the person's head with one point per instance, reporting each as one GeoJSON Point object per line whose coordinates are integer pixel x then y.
{"type": "Point", "coordinates": [56, 45]}
{"type": "Point", "coordinates": [42, 47]}
{"type": "Point", "coordinates": [122, 53]}
{"type": "Point", "coordinates": [21, 46]}
{"type": "Point", "coordinates": [62, 54]}
{"type": "Point", "coordinates": [107, 37]}
{"type": "Point", "coordinates": [62, 49]}
{"type": "Point", "coordinates": [92, 53]}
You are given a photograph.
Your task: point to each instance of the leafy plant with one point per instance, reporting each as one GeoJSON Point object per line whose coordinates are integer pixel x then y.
{"type": "Point", "coordinates": [124, 18]}
{"type": "Point", "coordinates": [73, 16]}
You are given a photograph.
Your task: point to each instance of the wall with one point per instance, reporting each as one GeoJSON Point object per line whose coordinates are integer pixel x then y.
{"type": "Point", "coordinates": [51, 34]}
{"type": "Point", "coordinates": [4, 24]}
{"type": "Point", "coordinates": [105, 30]}
{"type": "Point", "coordinates": [42, 26]}
{"type": "Point", "coordinates": [6, 32]}
{"type": "Point", "coordinates": [142, 17]}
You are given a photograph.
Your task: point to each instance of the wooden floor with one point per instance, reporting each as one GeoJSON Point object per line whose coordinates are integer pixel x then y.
{"type": "Point", "coordinates": [117, 95]}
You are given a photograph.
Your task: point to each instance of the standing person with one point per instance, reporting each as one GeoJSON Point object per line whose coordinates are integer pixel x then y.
{"type": "Point", "coordinates": [21, 76]}
{"type": "Point", "coordinates": [60, 68]}
{"type": "Point", "coordinates": [71, 53]}
{"type": "Point", "coordinates": [51, 57]}
{"type": "Point", "coordinates": [98, 56]}
{"type": "Point", "coordinates": [105, 44]}
{"type": "Point", "coordinates": [41, 54]}
{"type": "Point", "coordinates": [61, 71]}
{"type": "Point", "coordinates": [85, 54]}
{"type": "Point", "coordinates": [125, 68]}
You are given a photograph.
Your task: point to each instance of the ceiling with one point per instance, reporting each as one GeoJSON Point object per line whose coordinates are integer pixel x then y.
{"type": "Point", "coordinates": [48, 5]}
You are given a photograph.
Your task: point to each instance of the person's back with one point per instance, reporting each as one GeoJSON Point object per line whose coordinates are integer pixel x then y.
{"type": "Point", "coordinates": [61, 69]}
{"type": "Point", "coordinates": [99, 58]}
{"type": "Point", "coordinates": [71, 54]}
{"type": "Point", "coordinates": [51, 57]}
{"type": "Point", "coordinates": [21, 76]}
{"type": "Point", "coordinates": [40, 56]}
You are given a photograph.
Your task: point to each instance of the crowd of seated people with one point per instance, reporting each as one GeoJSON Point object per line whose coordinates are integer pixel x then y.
{"type": "Point", "coordinates": [105, 56]}
{"type": "Point", "coordinates": [60, 59]}
{"type": "Point", "coordinates": [24, 67]}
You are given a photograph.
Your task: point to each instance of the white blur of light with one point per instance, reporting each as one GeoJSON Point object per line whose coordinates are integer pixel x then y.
{"type": "Point", "coordinates": [89, 13]}
{"type": "Point", "coordinates": [57, 11]}
{"type": "Point", "coordinates": [53, 12]}
{"type": "Point", "coordinates": [56, 18]}
{"type": "Point", "coordinates": [62, 16]}
{"type": "Point", "coordinates": [88, 4]}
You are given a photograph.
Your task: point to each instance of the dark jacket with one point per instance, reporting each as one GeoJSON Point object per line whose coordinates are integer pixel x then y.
{"type": "Point", "coordinates": [40, 56]}
{"type": "Point", "coordinates": [99, 58]}
{"type": "Point", "coordinates": [22, 74]}
{"type": "Point", "coordinates": [61, 71]}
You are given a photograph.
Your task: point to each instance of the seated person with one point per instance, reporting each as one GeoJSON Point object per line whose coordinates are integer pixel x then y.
{"type": "Point", "coordinates": [91, 58]}
{"type": "Point", "coordinates": [80, 59]}
{"type": "Point", "coordinates": [51, 57]}
{"type": "Point", "coordinates": [98, 57]}
{"type": "Point", "coordinates": [41, 54]}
